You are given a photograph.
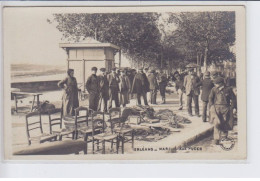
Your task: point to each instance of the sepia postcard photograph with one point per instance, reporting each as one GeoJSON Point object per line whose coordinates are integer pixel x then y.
{"type": "Point", "coordinates": [125, 83]}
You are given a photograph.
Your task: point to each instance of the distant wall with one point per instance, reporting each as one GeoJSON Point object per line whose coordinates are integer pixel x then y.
{"type": "Point", "coordinates": [37, 86]}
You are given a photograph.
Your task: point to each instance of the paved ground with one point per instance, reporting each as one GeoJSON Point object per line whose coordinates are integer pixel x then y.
{"type": "Point", "coordinates": [175, 139]}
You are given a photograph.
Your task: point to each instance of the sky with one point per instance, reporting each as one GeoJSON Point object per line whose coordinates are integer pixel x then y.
{"type": "Point", "coordinates": [30, 39]}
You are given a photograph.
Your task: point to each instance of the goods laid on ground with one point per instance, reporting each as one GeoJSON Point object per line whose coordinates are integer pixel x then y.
{"type": "Point", "coordinates": [149, 125]}
{"type": "Point", "coordinates": [153, 125]}
{"type": "Point", "coordinates": [153, 134]}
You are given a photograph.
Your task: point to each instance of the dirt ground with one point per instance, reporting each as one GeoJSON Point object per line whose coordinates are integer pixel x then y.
{"type": "Point", "coordinates": [19, 137]}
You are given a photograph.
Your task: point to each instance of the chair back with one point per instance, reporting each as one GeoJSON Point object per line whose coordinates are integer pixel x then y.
{"type": "Point", "coordinates": [115, 117]}
{"type": "Point", "coordinates": [54, 118]}
{"type": "Point", "coordinates": [97, 121]}
{"type": "Point", "coordinates": [33, 122]}
{"type": "Point", "coordinates": [81, 118]}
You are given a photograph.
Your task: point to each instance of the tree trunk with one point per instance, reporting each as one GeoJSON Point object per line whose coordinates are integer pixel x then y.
{"type": "Point", "coordinates": [96, 36]}
{"type": "Point", "coordinates": [205, 58]}
{"type": "Point", "coordinates": [162, 58]}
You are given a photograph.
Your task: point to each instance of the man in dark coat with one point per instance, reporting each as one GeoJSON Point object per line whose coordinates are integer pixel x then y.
{"type": "Point", "coordinates": [92, 86]}
{"type": "Point", "coordinates": [124, 88]}
{"type": "Point", "coordinates": [153, 85]}
{"type": "Point", "coordinates": [104, 87]}
{"type": "Point", "coordinates": [192, 88]}
{"type": "Point", "coordinates": [70, 99]}
{"type": "Point", "coordinates": [140, 86]}
{"type": "Point", "coordinates": [113, 83]}
{"type": "Point", "coordinates": [222, 102]}
{"type": "Point", "coordinates": [206, 86]}
{"type": "Point", "coordinates": [163, 81]}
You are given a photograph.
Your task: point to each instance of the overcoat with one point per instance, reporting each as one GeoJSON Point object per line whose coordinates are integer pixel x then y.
{"type": "Point", "coordinates": [140, 84]}
{"type": "Point", "coordinates": [124, 88]}
{"type": "Point", "coordinates": [92, 86]}
{"type": "Point", "coordinates": [113, 83]}
{"type": "Point", "coordinates": [191, 83]}
{"type": "Point", "coordinates": [70, 99]}
{"type": "Point", "coordinates": [103, 86]}
{"type": "Point", "coordinates": [153, 85]}
{"type": "Point", "coordinates": [206, 86]}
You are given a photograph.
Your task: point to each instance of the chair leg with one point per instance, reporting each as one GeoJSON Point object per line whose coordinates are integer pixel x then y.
{"type": "Point", "coordinates": [86, 140]}
{"type": "Point", "coordinates": [112, 142]}
{"type": "Point", "coordinates": [60, 138]}
{"type": "Point", "coordinates": [73, 135]}
{"type": "Point", "coordinates": [98, 145]}
{"type": "Point", "coordinates": [56, 138]}
{"type": "Point", "coordinates": [123, 138]}
{"type": "Point", "coordinates": [76, 135]}
{"type": "Point", "coordinates": [117, 144]}
{"type": "Point", "coordinates": [133, 139]}
{"type": "Point", "coordinates": [103, 147]}
{"type": "Point", "coordinates": [93, 146]}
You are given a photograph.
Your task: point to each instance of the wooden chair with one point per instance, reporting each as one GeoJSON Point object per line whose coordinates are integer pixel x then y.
{"type": "Point", "coordinates": [32, 124]}
{"type": "Point", "coordinates": [118, 126]}
{"type": "Point", "coordinates": [56, 120]}
{"type": "Point", "coordinates": [81, 119]}
{"type": "Point", "coordinates": [98, 123]}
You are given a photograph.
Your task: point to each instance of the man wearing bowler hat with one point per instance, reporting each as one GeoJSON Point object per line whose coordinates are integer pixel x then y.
{"type": "Point", "coordinates": [140, 86]}
{"type": "Point", "coordinates": [92, 86]}
{"type": "Point", "coordinates": [124, 88]}
{"type": "Point", "coordinates": [103, 93]}
{"type": "Point", "coordinates": [192, 88]}
{"type": "Point", "coordinates": [113, 83]}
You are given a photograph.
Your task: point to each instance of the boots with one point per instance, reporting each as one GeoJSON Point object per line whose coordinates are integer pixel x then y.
{"type": "Point", "coordinates": [163, 99]}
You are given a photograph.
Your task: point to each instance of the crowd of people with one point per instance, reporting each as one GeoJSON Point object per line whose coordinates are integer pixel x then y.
{"type": "Point", "coordinates": [120, 86]}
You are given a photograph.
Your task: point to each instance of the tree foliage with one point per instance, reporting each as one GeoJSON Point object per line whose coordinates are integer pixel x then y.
{"type": "Point", "coordinates": [136, 33]}
{"type": "Point", "coordinates": [210, 34]}
{"type": "Point", "coordinates": [146, 41]}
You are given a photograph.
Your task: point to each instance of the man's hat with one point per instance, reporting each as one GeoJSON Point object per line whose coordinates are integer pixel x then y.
{"type": "Point", "coordinates": [152, 71]}
{"type": "Point", "coordinates": [218, 80]}
{"type": "Point", "coordinates": [191, 69]}
{"type": "Point", "coordinates": [214, 73]}
{"type": "Point", "coordinates": [94, 68]}
{"type": "Point", "coordinates": [102, 70]}
{"type": "Point", "coordinates": [207, 74]}
{"type": "Point", "coordinates": [176, 73]}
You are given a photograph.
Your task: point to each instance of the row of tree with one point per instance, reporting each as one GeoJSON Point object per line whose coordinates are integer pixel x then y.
{"type": "Point", "coordinates": [156, 39]}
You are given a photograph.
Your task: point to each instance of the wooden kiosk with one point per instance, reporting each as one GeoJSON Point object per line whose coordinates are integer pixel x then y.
{"type": "Point", "coordinates": [83, 56]}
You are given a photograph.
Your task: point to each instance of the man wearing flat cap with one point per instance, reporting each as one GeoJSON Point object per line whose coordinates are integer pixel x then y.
{"type": "Point", "coordinates": [222, 102]}
{"type": "Point", "coordinates": [206, 86]}
{"type": "Point", "coordinates": [92, 86]}
{"type": "Point", "coordinates": [113, 83]}
{"type": "Point", "coordinates": [103, 93]}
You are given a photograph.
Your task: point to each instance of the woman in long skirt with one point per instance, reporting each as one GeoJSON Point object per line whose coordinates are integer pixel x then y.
{"type": "Point", "coordinates": [70, 99]}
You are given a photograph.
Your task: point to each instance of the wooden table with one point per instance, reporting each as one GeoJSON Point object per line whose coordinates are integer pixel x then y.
{"type": "Point", "coordinates": [35, 96]}
{"type": "Point", "coordinates": [54, 148]}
